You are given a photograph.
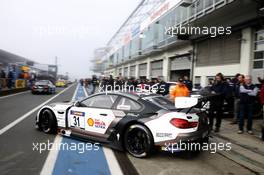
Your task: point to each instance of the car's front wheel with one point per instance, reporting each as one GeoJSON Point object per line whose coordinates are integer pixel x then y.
{"type": "Point", "coordinates": [48, 122]}
{"type": "Point", "coordinates": [138, 141]}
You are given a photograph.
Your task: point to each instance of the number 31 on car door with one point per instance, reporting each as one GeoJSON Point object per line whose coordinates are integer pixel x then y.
{"type": "Point", "coordinates": [77, 119]}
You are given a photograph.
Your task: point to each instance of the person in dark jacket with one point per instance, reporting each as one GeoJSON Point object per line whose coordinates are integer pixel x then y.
{"type": "Point", "coordinates": [247, 94]}
{"type": "Point", "coordinates": [187, 82]}
{"type": "Point", "coordinates": [93, 84]}
{"type": "Point", "coordinates": [261, 96]}
{"type": "Point", "coordinates": [216, 104]}
{"type": "Point", "coordinates": [163, 87]}
{"type": "Point", "coordinates": [2, 74]}
{"type": "Point", "coordinates": [261, 93]}
{"type": "Point", "coordinates": [10, 77]}
{"type": "Point", "coordinates": [110, 83]}
{"type": "Point", "coordinates": [229, 95]}
{"type": "Point", "coordinates": [238, 80]}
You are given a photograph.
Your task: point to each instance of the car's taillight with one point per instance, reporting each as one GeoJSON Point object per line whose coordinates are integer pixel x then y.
{"type": "Point", "coordinates": [46, 87]}
{"type": "Point", "coordinates": [34, 87]}
{"type": "Point", "coordinates": [182, 123]}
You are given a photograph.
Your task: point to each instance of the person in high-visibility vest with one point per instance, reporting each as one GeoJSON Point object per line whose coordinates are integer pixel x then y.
{"type": "Point", "coordinates": [180, 90]}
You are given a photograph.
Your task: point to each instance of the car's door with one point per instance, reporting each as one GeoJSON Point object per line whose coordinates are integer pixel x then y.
{"type": "Point", "coordinates": [94, 115]}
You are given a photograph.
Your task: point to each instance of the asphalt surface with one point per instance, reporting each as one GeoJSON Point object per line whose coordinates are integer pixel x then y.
{"type": "Point", "coordinates": [16, 144]}
{"type": "Point", "coordinates": [204, 163]}
{"type": "Point", "coordinates": [17, 154]}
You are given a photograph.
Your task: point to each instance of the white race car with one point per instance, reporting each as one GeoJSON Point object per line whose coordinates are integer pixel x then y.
{"type": "Point", "coordinates": [137, 123]}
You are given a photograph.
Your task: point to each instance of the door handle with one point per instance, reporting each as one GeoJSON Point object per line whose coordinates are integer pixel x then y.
{"type": "Point", "coordinates": [103, 114]}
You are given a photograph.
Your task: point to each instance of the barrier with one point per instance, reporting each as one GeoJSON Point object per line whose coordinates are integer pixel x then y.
{"type": "Point", "coordinates": [20, 83]}
{"type": "Point", "coordinates": [3, 83]}
{"type": "Point", "coordinates": [20, 86]}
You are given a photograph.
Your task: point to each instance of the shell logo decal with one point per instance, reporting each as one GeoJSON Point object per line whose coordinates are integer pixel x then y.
{"type": "Point", "coordinates": [90, 122]}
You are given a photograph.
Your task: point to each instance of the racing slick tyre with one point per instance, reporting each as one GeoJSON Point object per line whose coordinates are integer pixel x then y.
{"type": "Point", "coordinates": [138, 141]}
{"type": "Point", "coordinates": [47, 122]}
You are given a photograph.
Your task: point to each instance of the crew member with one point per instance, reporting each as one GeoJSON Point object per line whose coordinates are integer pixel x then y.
{"type": "Point", "coordinates": [180, 90]}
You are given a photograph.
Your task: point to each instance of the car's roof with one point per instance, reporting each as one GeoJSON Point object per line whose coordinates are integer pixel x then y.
{"type": "Point", "coordinates": [42, 81]}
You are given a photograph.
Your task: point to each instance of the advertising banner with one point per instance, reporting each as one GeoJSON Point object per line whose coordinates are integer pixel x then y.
{"type": "Point", "coordinates": [20, 83]}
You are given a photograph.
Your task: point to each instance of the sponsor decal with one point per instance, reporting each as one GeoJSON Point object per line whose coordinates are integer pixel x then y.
{"type": "Point", "coordinates": [77, 113]}
{"type": "Point", "coordinates": [99, 124]}
{"type": "Point", "coordinates": [164, 135]}
{"type": "Point", "coordinates": [90, 122]}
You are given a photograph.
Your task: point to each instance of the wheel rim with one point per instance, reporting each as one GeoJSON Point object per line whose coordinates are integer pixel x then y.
{"type": "Point", "coordinates": [45, 121]}
{"type": "Point", "coordinates": [137, 141]}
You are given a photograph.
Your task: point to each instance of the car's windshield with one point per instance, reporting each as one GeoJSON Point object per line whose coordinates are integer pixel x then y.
{"type": "Point", "coordinates": [42, 82]}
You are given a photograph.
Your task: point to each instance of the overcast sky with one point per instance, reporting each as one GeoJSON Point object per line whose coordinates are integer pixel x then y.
{"type": "Point", "coordinates": [69, 29]}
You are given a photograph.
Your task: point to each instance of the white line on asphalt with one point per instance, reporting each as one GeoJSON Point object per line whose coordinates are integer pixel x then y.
{"type": "Point", "coordinates": [112, 162]}
{"type": "Point", "coordinates": [52, 157]}
{"type": "Point", "coordinates": [75, 92]}
{"type": "Point", "coordinates": [6, 96]}
{"type": "Point", "coordinates": [9, 126]}
{"type": "Point", "coordinates": [85, 92]}
{"type": "Point", "coordinates": [53, 154]}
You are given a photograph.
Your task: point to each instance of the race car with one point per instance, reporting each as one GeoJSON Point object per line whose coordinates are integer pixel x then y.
{"type": "Point", "coordinates": [135, 122]}
{"type": "Point", "coordinates": [61, 83]}
{"type": "Point", "coordinates": [43, 86]}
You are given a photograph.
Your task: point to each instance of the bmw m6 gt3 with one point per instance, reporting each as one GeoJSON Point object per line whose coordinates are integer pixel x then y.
{"type": "Point", "coordinates": [136, 123]}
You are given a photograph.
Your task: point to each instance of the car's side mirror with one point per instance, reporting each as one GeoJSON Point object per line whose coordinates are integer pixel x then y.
{"type": "Point", "coordinates": [77, 104]}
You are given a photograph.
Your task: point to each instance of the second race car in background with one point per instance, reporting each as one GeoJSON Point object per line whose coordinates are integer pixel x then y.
{"type": "Point", "coordinates": [61, 83]}
{"type": "Point", "coordinates": [43, 86]}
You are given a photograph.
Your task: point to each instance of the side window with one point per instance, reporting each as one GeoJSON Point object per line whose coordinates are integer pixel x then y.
{"type": "Point", "coordinates": [100, 101]}
{"type": "Point", "coordinates": [127, 104]}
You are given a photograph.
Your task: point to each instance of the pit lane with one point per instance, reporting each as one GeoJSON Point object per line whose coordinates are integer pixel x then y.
{"type": "Point", "coordinates": [17, 156]}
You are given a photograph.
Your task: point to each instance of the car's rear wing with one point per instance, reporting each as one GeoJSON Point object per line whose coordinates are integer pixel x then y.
{"type": "Point", "coordinates": [202, 102]}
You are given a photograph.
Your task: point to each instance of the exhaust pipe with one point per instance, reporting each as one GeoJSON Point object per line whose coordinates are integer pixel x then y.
{"type": "Point", "coordinates": [63, 132]}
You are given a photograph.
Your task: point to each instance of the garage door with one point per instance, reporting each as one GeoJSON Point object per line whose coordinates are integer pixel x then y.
{"type": "Point", "coordinates": [219, 51]}
{"type": "Point", "coordinates": [180, 63]}
{"type": "Point", "coordinates": [132, 71]}
{"type": "Point", "coordinates": [142, 69]}
{"type": "Point", "coordinates": [120, 71]}
{"type": "Point", "coordinates": [156, 69]}
{"type": "Point", "coordinates": [126, 72]}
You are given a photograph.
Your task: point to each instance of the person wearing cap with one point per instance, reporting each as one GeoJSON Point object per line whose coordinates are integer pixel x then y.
{"type": "Point", "coordinates": [180, 90]}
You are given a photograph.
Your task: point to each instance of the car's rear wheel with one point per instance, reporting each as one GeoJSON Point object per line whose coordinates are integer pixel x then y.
{"type": "Point", "coordinates": [48, 122]}
{"type": "Point", "coordinates": [138, 141]}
